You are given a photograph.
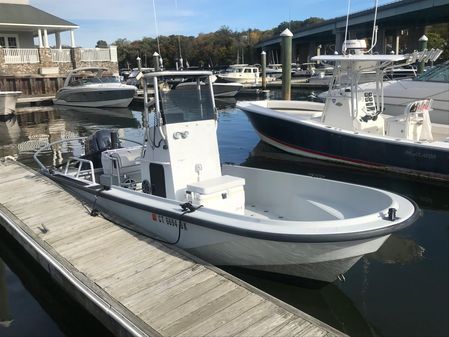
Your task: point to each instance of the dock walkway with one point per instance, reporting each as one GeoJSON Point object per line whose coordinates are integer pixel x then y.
{"type": "Point", "coordinates": [134, 285]}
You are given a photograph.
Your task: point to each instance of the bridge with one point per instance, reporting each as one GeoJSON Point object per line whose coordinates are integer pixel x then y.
{"type": "Point", "coordinates": [400, 23]}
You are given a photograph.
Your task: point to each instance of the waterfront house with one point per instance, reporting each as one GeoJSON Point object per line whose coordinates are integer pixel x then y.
{"type": "Point", "coordinates": [37, 49]}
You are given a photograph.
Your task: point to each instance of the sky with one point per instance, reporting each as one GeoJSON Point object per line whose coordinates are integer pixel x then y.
{"type": "Point", "coordinates": [110, 20]}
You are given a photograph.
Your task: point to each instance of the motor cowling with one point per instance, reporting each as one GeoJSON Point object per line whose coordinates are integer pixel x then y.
{"type": "Point", "coordinates": [96, 144]}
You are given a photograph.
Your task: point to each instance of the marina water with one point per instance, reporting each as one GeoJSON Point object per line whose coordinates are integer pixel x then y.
{"type": "Point", "coordinates": [401, 290]}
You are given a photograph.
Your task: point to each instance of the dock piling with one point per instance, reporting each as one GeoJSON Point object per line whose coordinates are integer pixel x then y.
{"type": "Point", "coordinates": [286, 50]}
{"type": "Point", "coordinates": [422, 46]}
{"type": "Point", "coordinates": [263, 57]}
{"type": "Point", "coordinates": [156, 61]}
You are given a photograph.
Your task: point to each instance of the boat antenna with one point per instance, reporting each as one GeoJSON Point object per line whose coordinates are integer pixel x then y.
{"type": "Point", "coordinates": [346, 29]}
{"type": "Point", "coordinates": [157, 31]}
{"type": "Point", "coordinates": [179, 41]}
{"type": "Point", "coordinates": [374, 36]}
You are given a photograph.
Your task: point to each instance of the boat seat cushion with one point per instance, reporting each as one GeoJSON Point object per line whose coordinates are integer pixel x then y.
{"type": "Point", "coordinates": [214, 185]}
{"type": "Point", "coordinates": [128, 156]}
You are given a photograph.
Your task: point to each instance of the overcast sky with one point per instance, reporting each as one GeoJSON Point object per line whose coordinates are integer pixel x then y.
{"type": "Point", "coordinates": [110, 20]}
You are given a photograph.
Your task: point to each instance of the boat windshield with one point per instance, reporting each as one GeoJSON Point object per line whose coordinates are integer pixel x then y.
{"type": "Point", "coordinates": [234, 70]}
{"type": "Point", "coordinates": [77, 81]}
{"type": "Point", "coordinates": [190, 104]}
{"type": "Point", "coordinates": [436, 74]}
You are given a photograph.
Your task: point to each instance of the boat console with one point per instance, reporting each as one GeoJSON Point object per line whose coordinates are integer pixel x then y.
{"type": "Point", "coordinates": [181, 160]}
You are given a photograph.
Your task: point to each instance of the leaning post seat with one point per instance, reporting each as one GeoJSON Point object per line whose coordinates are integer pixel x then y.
{"type": "Point", "coordinates": [120, 165]}
{"type": "Point", "coordinates": [225, 193]}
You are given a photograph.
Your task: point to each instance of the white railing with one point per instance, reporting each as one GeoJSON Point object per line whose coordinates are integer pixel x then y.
{"type": "Point", "coordinates": [98, 54]}
{"type": "Point", "coordinates": [60, 55]}
{"type": "Point", "coordinates": [19, 56]}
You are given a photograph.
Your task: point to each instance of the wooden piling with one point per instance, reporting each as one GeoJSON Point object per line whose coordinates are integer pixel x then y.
{"type": "Point", "coordinates": [286, 50]}
{"type": "Point", "coordinates": [422, 46]}
{"type": "Point", "coordinates": [156, 62]}
{"type": "Point", "coordinates": [263, 58]}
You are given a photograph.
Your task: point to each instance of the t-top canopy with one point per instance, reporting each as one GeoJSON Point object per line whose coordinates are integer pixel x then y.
{"type": "Point", "coordinates": [358, 58]}
{"type": "Point", "coordinates": [178, 73]}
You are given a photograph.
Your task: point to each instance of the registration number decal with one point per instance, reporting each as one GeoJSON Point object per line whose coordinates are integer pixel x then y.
{"type": "Point", "coordinates": [168, 221]}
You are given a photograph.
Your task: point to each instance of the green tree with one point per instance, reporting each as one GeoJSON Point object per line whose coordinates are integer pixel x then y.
{"type": "Point", "coordinates": [438, 42]}
{"type": "Point", "coordinates": [101, 44]}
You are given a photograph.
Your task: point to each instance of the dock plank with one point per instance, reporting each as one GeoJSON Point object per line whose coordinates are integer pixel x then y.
{"type": "Point", "coordinates": [146, 287]}
{"type": "Point", "coordinates": [179, 310]}
{"type": "Point", "coordinates": [222, 317]}
{"type": "Point", "coordinates": [203, 312]}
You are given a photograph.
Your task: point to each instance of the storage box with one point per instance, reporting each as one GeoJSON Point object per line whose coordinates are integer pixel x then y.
{"type": "Point", "coordinates": [397, 127]}
{"type": "Point", "coordinates": [225, 193]}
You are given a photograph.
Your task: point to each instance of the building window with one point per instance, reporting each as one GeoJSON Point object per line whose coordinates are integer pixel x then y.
{"type": "Point", "coordinates": [9, 41]}
{"type": "Point", "coordinates": [12, 42]}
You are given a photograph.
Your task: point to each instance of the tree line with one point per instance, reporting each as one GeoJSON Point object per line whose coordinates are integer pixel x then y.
{"type": "Point", "coordinates": [222, 47]}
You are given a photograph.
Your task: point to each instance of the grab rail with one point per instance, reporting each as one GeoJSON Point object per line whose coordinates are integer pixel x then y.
{"type": "Point", "coordinates": [80, 160]}
{"type": "Point", "coordinates": [47, 146]}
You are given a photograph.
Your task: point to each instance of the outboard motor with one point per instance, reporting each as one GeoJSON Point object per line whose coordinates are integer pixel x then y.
{"type": "Point", "coordinates": [97, 143]}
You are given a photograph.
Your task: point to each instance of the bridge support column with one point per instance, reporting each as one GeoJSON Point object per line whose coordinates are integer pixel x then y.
{"type": "Point", "coordinates": [339, 39]}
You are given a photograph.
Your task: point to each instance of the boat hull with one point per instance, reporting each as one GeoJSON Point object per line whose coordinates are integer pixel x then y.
{"type": "Point", "coordinates": [304, 139]}
{"type": "Point", "coordinates": [242, 80]}
{"type": "Point", "coordinates": [323, 261]}
{"type": "Point", "coordinates": [226, 89]}
{"type": "Point", "coordinates": [95, 97]}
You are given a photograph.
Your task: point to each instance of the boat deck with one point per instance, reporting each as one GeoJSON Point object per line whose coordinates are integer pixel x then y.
{"type": "Point", "coordinates": [131, 283]}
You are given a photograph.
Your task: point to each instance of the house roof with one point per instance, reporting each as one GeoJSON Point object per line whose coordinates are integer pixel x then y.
{"type": "Point", "coordinates": [21, 16]}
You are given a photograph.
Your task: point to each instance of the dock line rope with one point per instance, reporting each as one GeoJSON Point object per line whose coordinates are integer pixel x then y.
{"type": "Point", "coordinates": [186, 208]}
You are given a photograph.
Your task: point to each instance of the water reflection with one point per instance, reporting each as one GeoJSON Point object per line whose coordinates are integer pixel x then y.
{"type": "Point", "coordinates": [5, 315]}
{"type": "Point", "coordinates": [33, 127]}
{"type": "Point", "coordinates": [317, 302]}
{"type": "Point", "coordinates": [402, 289]}
{"type": "Point", "coordinates": [399, 250]}
{"type": "Point", "coordinates": [38, 305]}
{"type": "Point", "coordinates": [427, 193]}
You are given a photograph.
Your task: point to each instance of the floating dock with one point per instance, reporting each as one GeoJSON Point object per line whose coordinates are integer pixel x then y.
{"type": "Point", "coordinates": [134, 285]}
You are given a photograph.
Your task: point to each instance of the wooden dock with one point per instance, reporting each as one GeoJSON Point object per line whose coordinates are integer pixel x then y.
{"type": "Point", "coordinates": [134, 285]}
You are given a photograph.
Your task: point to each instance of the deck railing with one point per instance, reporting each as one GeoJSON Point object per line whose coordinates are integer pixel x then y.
{"type": "Point", "coordinates": [20, 56]}
{"type": "Point", "coordinates": [60, 55]}
{"type": "Point", "coordinates": [32, 55]}
{"type": "Point", "coordinates": [99, 54]}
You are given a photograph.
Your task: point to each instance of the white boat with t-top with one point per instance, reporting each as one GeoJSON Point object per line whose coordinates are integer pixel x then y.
{"type": "Point", "coordinates": [434, 84]}
{"type": "Point", "coordinates": [241, 73]}
{"type": "Point", "coordinates": [221, 89]}
{"type": "Point", "coordinates": [173, 188]}
{"type": "Point", "coordinates": [92, 87]}
{"type": "Point", "coordinates": [353, 126]}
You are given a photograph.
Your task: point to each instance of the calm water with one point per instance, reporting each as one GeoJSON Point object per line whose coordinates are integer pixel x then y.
{"type": "Point", "coordinates": [401, 290]}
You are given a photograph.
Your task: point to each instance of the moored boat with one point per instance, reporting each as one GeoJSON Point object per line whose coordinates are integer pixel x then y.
{"type": "Point", "coordinates": [173, 188]}
{"type": "Point", "coordinates": [88, 87]}
{"type": "Point", "coordinates": [221, 89]}
{"type": "Point", "coordinates": [353, 126]}
{"type": "Point", "coordinates": [241, 73]}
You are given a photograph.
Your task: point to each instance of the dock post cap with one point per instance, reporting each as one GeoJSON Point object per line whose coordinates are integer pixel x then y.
{"type": "Point", "coordinates": [423, 38]}
{"type": "Point", "coordinates": [286, 33]}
